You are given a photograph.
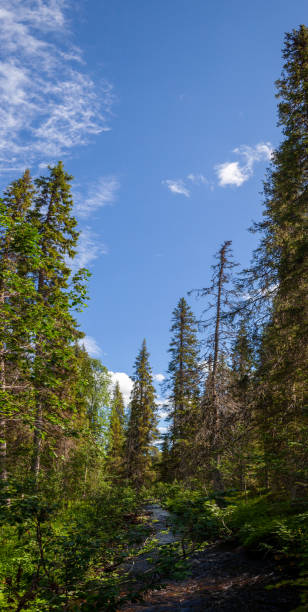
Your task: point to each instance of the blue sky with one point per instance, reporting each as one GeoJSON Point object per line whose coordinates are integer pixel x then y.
{"type": "Point", "coordinates": [164, 111]}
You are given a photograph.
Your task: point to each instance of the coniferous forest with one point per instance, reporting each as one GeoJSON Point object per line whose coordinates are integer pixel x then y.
{"type": "Point", "coordinates": [77, 468]}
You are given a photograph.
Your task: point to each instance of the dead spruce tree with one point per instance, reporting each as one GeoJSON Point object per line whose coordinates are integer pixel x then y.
{"type": "Point", "coordinates": [217, 402]}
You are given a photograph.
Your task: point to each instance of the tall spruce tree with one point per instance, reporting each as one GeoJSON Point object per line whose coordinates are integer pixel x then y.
{"type": "Point", "coordinates": [55, 357]}
{"type": "Point", "coordinates": [183, 383]}
{"type": "Point", "coordinates": [19, 258]}
{"type": "Point", "coordinates": [280, 267]}
{"type": "Point", "coordinates": [141, 431]}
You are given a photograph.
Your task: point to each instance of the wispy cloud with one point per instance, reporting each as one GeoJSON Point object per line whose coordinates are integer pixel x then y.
{"type": "Point", "coordinates": [177, 186]}
{"type": "Point", "coordinates": [198, 179]}
{"type": "Point", "coordinates": [91, 346]}
{"type": "Point", "coordinates": [100, 194]}
{"type": "Point", "coordinates": [48, 103]}
{"type": "Point", "coordinates": [236, 173]}
{"type": "Point", "coordinates": [89, 248]}
{"type": "Point", "coordinates": [90, 245]}
{"type": "Point", "coordinates": [125, 382]}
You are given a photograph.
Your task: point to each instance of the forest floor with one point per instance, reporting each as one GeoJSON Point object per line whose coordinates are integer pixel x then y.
{"type": "Point", "coordinates": [222, 576]}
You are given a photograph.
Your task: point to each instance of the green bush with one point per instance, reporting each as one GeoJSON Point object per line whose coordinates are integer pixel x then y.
{"type": "Point", "coordinates": [261, 523]}
{"type": "Point", "coordinates": [55, 558]}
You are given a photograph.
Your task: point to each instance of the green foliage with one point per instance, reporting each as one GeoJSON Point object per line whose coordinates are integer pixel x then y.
{"type": "Point", "coordinates": [183, 385]}
{"type": "Point", "coordinates": [256, 521]}
{"type": "Point", "coordinates": [55, 558]}
{"type": "Point", "coordinates": [262, 523]}
{"type": "Point", "coordinates": [141, 430]}
{"type": "Point", "coordinates": [278, 282]}
{"type": "Point", "coordinates": [93, 394]}
{"type": "Point", "coordinates": [116, 435]}
{"type": "Point", "coordinates": [198, 516]}
{"type": "Point", "coordinates": [170, 563]}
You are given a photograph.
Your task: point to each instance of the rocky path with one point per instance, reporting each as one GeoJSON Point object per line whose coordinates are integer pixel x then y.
{"type": "Point", "coordinates": [161, 531]}
{"type": "Point", "coordinates": [221, 578]}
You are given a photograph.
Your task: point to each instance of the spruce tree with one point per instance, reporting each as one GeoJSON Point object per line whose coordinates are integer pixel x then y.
{"type": "Point", "coordinates": [280, 268]}
{"type": "Point", "coordinates": [19, 257]}
{"type": "Point", "coordinates": [116, 434]}
{"type": "Point", "coordinates": [242, 431]}
{"type": "Point", "coordinates": [183, 384]}
{"type": "Point", "coordinates": [141, 431]}
{"type": "Point", "coordinates": [56, 294]}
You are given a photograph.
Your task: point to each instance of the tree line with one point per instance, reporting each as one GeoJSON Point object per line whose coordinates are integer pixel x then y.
{"type": "Point", "coordinates": [238, 403]}
{"type": "Point", "coordinates": [236, 386]}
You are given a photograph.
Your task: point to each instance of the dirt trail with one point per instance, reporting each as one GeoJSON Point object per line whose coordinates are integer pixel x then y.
{"type": "Point", "coordinates": [222, 578]}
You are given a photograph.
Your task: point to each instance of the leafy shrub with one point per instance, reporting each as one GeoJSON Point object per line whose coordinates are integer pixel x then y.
{"type": "Point", "coordinates": [55, 558]}
{"type": "Point", "coordinates": [258, 522]}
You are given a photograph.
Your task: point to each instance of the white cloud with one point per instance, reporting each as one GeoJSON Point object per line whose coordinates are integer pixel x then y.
{"type": "Point", "coordinates": [230, 173]}
{"type": "Point", "coordinates": [125, 382]}
{"type": "Point", "coordinates": [100, 194]}
{"type": "Point", "coordinates": [89, 248]}
{"type": "Point", "coordinates": [177, 186]}
{"type": "Point", "coordinates": [91, 346]}
{"type": "Point", "coordinates": [159, 377]}
{"type": "Point", "coordinates": [234, 173]}
{"type": "Point", "coordinates": [197, 179]}
{"type": "Point", "coordinates": [48, 104]}
{"type": "Point", "coordinates": [162, 429]}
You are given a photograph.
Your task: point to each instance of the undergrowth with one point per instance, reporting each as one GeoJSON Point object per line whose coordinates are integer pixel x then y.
{"type": "Point", "coordinates": [261, 523]}
{"type": "Point", "coordinates": [67, 558]}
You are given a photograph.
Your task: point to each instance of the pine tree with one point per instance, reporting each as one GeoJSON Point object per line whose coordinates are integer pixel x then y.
{"type": "Point", "coordinates": [183, 383]}
{"type": "Point", "coordinates": [141, 431]}
{"type": "Point", "coordinates": [280, 267]}
{"type": "Point", "coordinates": [116, 434]}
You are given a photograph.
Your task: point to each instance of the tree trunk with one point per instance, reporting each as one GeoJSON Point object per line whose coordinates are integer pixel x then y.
{"type": "Point", "coordinates": [3, 450]}
{"type": "Point", "coordinates": [3, 446]}
{"type": "Point", "coordinates": [37, 443]}
{"type": "Point", "coordinates": [3, 443]}
{"type": "Point", "coordinates": [217, 477]}
{"type": "Point", "coordinates": [218, 483]}
{"type": "Point", "coordinates": [38, 425]}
